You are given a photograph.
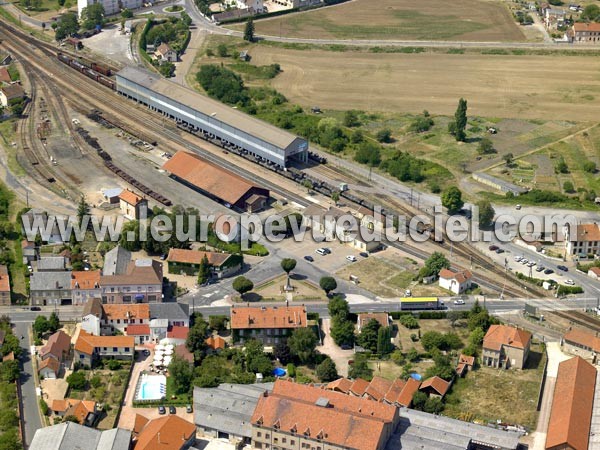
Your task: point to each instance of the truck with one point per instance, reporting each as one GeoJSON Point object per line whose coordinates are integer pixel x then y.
{"type": "Point", "coordinates": [420, 303]}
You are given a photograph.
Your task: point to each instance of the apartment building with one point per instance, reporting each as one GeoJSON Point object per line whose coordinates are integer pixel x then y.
{"type": "Point", "coordinates": [85, 285]}
{"type": "Point", "coordinates": [584, 241]}
{"type": "Point", "coordinates": [90, 348]}
{"type": "Point", "coordinates": [140, 283]}
{"type": "Point", "coordinates": [270, 325]}
{"type": "Point", "coordinates": [505, 347]}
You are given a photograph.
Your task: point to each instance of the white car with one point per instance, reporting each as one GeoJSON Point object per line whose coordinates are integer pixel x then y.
{"type": "Point", "coordinates": [518, 258]}
{"type": "Point", "coordinates": [321, 251]}
{"type": "Point", "coordinates": [351, 258]}
{"type": "Point", "coordinates": [570, 282]}
{"type": "Point", "coordinates": [459, 301]}
{"type": "Point", "coordinates": [524, 261]}
{"type": "Point", "coordinates": [408, 293]}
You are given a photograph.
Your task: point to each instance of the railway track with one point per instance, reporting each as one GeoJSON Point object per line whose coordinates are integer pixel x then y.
{"type": "Point", "coordinates": [580, 318]}
{"type": "Point", "coordinates": [76, 83]}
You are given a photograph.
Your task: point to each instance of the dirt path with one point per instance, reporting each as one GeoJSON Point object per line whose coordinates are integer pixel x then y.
{"type": "Point", "coordinates": [340, 357]}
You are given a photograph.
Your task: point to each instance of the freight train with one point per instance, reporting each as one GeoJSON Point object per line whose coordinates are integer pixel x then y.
{"type": "Point", "coordinates": [96, 72]}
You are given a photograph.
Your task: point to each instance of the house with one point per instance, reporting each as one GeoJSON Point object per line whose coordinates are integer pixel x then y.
{"type": "Point", "coordinates": [435, 387]}
{"type": "Point", "coordinates": [505, 347]}
{"type": "Point", "coordinates": [85, 285]}
{"type": "Point", "coordinates": [52, 264]}
{"type": "Point", "coordinates": [131, 205]}
{"type": "Point", "coordinates": [225, 411]}
{"type": "Point", "coordinates": [554, 18]}
{"type": "Point", "coordinates": [185, 261]}
{"type": "Point", "coordinates": [583, 241]}
{"type": "Point", "coordinates": [215, 342]}
{"type": "Point", "coordinates": [594, 273]}
{"type": "Point", "coordinates": [581, 343]}
{"type": "Point", "coordinates": [173, 318]}
{"type": "Point", "coordinates": [572, 406]}
{"type": "Point", "coordinates": [28, 250]}
{"type": "Point", "coordinates": [456, 282]}
{"type": "Point", "coordinates": [90, 348]}
{"type": "Point", "coordinates": [169, 433]}
{"type": "Point", "coordinates": [464, 365]}
{"type": "Point", "coordinates": [498, 184]}
{"type": "Point", "coordinates": [111, 195]}
{"type": "Point", "coordinates": [121, 317]}
{"type": "Point", "coordinates": [50, 288]}
{"type": "Point", "coordinates": [256, 5]}
{"type": "Point", "coordinates": [58, 347]}
{"type": "Point", "coordinates": [177, 335]}
{"type": "Point", "coordinates": [5, 76]}
{"type": "Point", "coordinates": [267, 324]}
{"type": "Point", "coordinates": [141, 283]}
{"type": "Point", "coordinates": [165, 53]}
{"type": "Point", "coordinates": [364, 318]}
{"type": "Point", "coordinates": [398, 393]}
{"type": "Point", "coordinates": [311, 417]}
{"type": "Point", "coordinates": [91, 318]}
{"type": "Point", "coordinates": [49, 368]}
{"type": "Point", "coordinates": [70, 435]}
{"type": "Point", "coordinates": [587, 33]}
{"type": "Point", "coordinates": [10, 94]}
{"type": "Point", "coordinates": [84, 410]}
{"type": "Point", "coordinates": [4, 286]}
{"type": "Point", "coordinates": [116, 261]}
{"type": "Point", "coordinates": [140, 332]}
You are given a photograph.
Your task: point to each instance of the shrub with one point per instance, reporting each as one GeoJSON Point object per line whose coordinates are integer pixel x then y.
{"type": "Point", "coordinates": [114, 364]}
{"type": "Point", "coordinates": [409, 322]}
{"type": "Point", "coordinates": [291, 370]}
{"type": "Point", "coordinates": [568, 187]}
{"type": "Point", "coordinates": [384, 135]}
{"type": "Point", "coordinates": [421, 124]}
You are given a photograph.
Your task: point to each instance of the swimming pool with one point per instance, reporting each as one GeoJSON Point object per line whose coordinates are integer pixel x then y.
{"type": "Point", "coordinates": [151, 387]}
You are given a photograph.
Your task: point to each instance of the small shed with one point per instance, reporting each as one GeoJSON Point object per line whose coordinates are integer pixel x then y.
{"type": "Point", "coordinates": [111, 195]}
{"type": "Point", "coordinates": [244, 56]}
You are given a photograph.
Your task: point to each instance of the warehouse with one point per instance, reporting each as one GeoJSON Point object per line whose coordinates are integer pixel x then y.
{"type": "Point", "coordinates": [235, 129]}
{"type": "Point", "coordinates": [217, 183]}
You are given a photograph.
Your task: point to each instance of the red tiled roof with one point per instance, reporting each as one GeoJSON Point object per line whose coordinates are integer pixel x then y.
{"type": "Point", "coordinates": [436, 383]}
{"type": "Point", "coordinates": [123, 311]}
{"type": "Point", "coordinates": [378, 387]}
{"type": "Point", "coordinates": [4, 75]}
{"type": "Point", "coordinates": [582, 26]}
{"type": "Point", "coordinates": [49, 363]}
{"type": "Point", "coordinates": [359, 387]}
{"type": "Point", "coordinates": [178, 332]}
{"type": "Point", "coordinates": [4, 279]}
{"type": "Point", "coordinates": [85, 279]}
{"type": "Point", "coordinates": [340, 385]}
{"type": "Point", "coordinates": [499, 335]}
{"type": "Point", "coordinates": [595, 271]}
{"type": "Point", "coordinates": [583, 339]}
{"type": "Point", "coordinates": [165, 433]}
{"type": "Point", "coordinates": [130, 197]}
{"type": "Point", "coordinates": [268, 317]}
{"type": "Point", "coordinates": [140, 423]}
{"type": "Point", "coordinates": [215, 342]}
{"type": "Point", "coordinates": [586, 232]}
{"type": "Point", "coordinates": [409, 389]}
{"type": "Point", "coordinates": [87, 342]}
{"type": "Point", "coordinates": [58, 345]}
{"type": "Point", "coordinates": [181, 255]}
{"type": "Point", "coordinates": [571, 414]}
{"type": "Point", "coordinates": [460, 277]}
{"type": "Point", "coordinates": [467, 360]}
{"type": "Point", "coordinates": [138, 330]}
{"type": "Point", "coordinates": [365, 318]}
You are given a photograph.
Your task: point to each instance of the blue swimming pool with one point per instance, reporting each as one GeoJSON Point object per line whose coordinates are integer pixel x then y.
{"type": "Point", "coordinates": [279, 372]}
{"type": "Point", "coordinates": [416, 376]}
{"type": "Point", "coordinates": [152, 387]}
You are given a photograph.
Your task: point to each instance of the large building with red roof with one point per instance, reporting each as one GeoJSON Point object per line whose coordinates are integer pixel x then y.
{"type": "Point", "coordinates": [269, 324]}
{"type": "Point", "coordinates": [505, 347]}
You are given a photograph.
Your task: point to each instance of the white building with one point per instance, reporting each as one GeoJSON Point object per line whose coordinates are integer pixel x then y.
{"type": "Point", "coordinates": [584, 241]}
{"type": "Point", "coordinates": [92, 317]}
{"type": "Point", "coordinates": [110, 6]}
{"type": "Point", "coordinates": [256, 5]}
{"type": "Point", "coordinates": [457, 282]}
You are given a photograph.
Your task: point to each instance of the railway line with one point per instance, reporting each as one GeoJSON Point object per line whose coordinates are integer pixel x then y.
{"type": "Point", "coordinates": [76, 84]}
{"type": "Point", "coordinates": [580, 318]}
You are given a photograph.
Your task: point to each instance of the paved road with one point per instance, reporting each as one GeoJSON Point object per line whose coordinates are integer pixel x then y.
{"type": "Point", "coordinates": [30, 405]}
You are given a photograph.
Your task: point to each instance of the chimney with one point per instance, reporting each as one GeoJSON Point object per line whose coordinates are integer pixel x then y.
{"type": "Point", "coordinates": [158, 434]}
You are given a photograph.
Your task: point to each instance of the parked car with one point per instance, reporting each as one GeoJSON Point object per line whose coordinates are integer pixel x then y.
{"type": "Point", "coordinates": [408, 293]}
{"type": "Point", "coordinates": [524, 261]}
{"type": "Point", "coordinates": [321, 251]}
{"type": "Point", "coordinates": [172, 410]}
{"type": "Point", "coordinates": [364, 254]}
{"type": "Point", "coordinates": [499, 250]}
{"type": "Point", "coordinates": [459, 301]}
{"type": "Point", "coordinates": [35, 308]}
{"type": "Point", "coordinates": [309, 258]}
{"type": "Point", "coordinates": [540, 268]}
{"type": "Point", "coordinates": [518, 258]}
{"type": "Point", "coordinates": [351, 258]}
{"type": "Point", "coordinates": [162, 410]}
{"type": "Point", "coordinates": [189, 409]}
{"type": "Point", "coordinates": [346, 347]}
{"type": "Point", "coordinates": [563, 268]}
{"type": "Point", "coordinates": [548, 271]}
{"type": "Point", "coordinates": [570, 282]}
{"type": "Point", "coordinates": [518, 207]}
{"type": "Point", "coordinates": [493, 248]}
{"type": "Point", "coordinates": [146, 352]}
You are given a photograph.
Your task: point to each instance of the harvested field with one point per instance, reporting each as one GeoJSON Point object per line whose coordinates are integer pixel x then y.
{"type": "Point", "coordinates": [499, 86]}
{"type": "Point", "coordinates": [462, 20]}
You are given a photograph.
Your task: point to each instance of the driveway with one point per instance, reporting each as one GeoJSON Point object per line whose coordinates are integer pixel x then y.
{"type": "Point", "coordinates": [340, 357]}
{"type": "Point", "coordinates": [30, 403]}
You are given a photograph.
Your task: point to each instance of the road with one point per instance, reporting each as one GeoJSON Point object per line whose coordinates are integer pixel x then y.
{"type": "Point", "coordinates": [30, 403]}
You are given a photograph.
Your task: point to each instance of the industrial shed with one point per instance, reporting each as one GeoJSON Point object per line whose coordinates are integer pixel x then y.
{"type": "Point", "coordinates": [214, 119]}
{"type": "Point", "coordinates": [216, 183]}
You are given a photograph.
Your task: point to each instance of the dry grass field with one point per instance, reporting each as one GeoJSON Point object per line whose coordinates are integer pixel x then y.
{"type": "Point", "coordinates": [464, 20]}
{"type": "Point", "coordinates": [498, 86]}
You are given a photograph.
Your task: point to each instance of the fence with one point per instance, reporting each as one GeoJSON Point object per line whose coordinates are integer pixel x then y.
{"type": "Point", "coordinates": [543, 383]}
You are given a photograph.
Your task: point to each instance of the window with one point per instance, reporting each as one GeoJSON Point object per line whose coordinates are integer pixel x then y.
{"type": "Point", "coordinates": [283, 440]}
{"type": "Point", "coordinates": [127, 349]}
{"type": "Point", "coordinates": [115, 349]}
{"type": "Point", "coordinates": [267, 435]}
{"type": "Point", "coordinates": [292, 442]}
{"type": "Point", "coordinates": [118, 320]}
{"type": "Point", "coordinates": [258, 434]}
{"type": "Point", "coordinates": [257, 445]}
{"type": "Point", "coordinates": [104, 348]}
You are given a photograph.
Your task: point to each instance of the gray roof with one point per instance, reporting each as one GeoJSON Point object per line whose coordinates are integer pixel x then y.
{"type": "Point", "coordinates": [49, 281]}
{"type": "Point", "coordinates": [423, 431]}
{"type": "Point", "coordinates": [171, 311]}
{"type": "Point", "coordinates": [228, 407]}
{"type": "Point", "coordinates": [208, 106]}
{"type": "Point", "coordinates": [500, 184]}
{"type": "Point", "coordinates": [72, 436]}
{"type": "Point", "coordinates": [51, 263]}
{"type": "Point", "coordinates": [116, 261]}
{"type": "Point", "coordinates": [94, 307]}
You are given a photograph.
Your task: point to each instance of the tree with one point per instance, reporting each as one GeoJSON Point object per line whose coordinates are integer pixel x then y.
{"type": "Point", "coordinates": [10, 440]}
{"type": "Point", "coordinates": [308, 185]}
{"type": "Point", "coordinates": [508, 158]}
{"type": "Point", "coordinates": [419, 399]}
{"type": "Point", "coordinates": [204, 270]}
{"type": "Point", "coordinates": [328, 284]}
{"type": "Point", "coordinates": [561, 166]}
{"type": "Point", "coordinates": [589, 166]}
{"type": "Point", "coordinates": [342, 331]}
{"type": "Point", "coordinates": [127, 13]}
{"type": "Point", "coordinates": [433, 405]}
{"type": "Point", "coordinates": [256, 360]}
{"type": "Point", "coordinates": [9, 371]}
{"type": "Point", "coordinates": [384, 135]}
{"type": "Point", "coordinates": [83, 208]}
{"type": "Point", "coordinates": [360, 368]}
{"type": "Point", "coordinates": [249, 31]}
{"type": "Point", "coordinates": [351, 118]}
{"type": "Point", "coordinates": [11, 344]}
{"type": "Point", "coordinates": [568, 187]}
{"type": "Point", "coordinates": [288, 264]}
{"type": "Point", "coordinates": [335, 196]}
{"type": "Point", "coordinates": [326, 371]}
{"type": "Point", "coordinates": [181, 372]}
{"type": "Point", "coordinates": [70, 418]}
{"type": "Point", "coordinates": [53, 322]}
{"type": "Point", "coordinates": [591, 13]}
{"type": "Point", "coordinates": [218, 322]}
{"type": "Point", "coordinates": [486, 147]}
{"type": "Point", "coordinates": [434, 264]}
{"type": "Point", "coordinates": [486, 213]}
{"type": "Point", "coordinates": [302, 344]}
{"type": "Point", "coordinates": [92, 16]}
{"type": "Point", "coordinates": [40, 325]}
{"type": "Point", "coordinates": [397, 357]}
{"type": "Point", "coordinates": [77, 381]}
{"type": "Point", "coordinates": [368, 335]}
{"type": "Point", "coordinates": [282, 352]}
{"type": "Point", "coordinates": [452, 199]}
{"type": "Point", "coordinates": [432, 340]}
{"type": "Point", "coordinates": [384, 341]}
{"type": "Point", "coordinates": [197, 334]}
{"type": "Point", "coordinates": [242, 285]}
{"type": "Point", "coordinates": [458, 126]}
{"type": "Point", "coordinates": [368, 153]}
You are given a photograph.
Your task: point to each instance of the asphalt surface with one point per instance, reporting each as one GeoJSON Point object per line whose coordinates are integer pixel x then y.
{"type": "Point", "coordinates": [30, 403]}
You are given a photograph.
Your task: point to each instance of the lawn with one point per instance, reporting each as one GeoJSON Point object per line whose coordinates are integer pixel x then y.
{"type": "Point", "coordinates": [392, 371]}
{"type": "Point", "coordinates": [467, 20]}
{"type": "Point", "coordinates": [488, 394]}
{"type": "Point", "coordinates": [405, 343]}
